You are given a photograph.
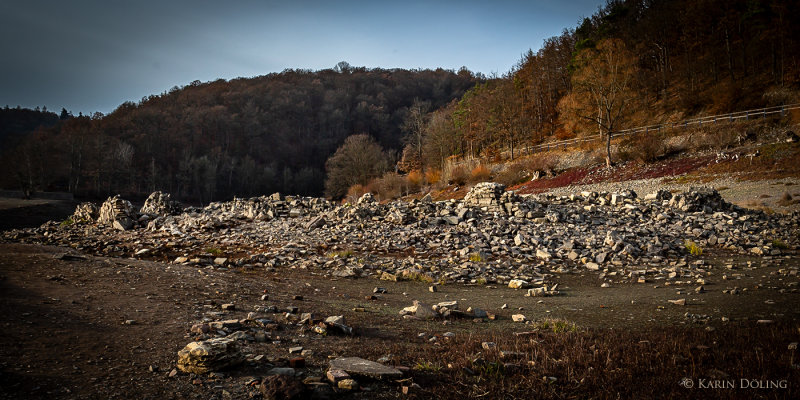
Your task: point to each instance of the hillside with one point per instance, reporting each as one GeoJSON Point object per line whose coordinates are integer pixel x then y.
{"type": "Point", "coordinates": [230, 138]}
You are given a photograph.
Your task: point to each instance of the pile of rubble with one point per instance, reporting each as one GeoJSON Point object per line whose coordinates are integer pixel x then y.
{"type": "Point", "coordinates": [492, 236]}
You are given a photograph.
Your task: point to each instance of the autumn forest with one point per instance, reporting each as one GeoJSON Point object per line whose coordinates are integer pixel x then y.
{"type": "Point", "coordinates": [632, 63]}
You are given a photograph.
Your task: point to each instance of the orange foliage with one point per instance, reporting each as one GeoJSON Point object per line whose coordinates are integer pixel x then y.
{"type": "Point", "coordinates": [433, 176]}
{"type": "Point", "coordinates": [480, 174]}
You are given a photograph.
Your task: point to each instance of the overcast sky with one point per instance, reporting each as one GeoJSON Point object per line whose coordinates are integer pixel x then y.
{"type": "Point", "coordinates": [91, 56]}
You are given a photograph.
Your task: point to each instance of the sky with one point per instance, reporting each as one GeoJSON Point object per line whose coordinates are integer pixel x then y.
{"type": "Point", "coordinates": [89, 56]}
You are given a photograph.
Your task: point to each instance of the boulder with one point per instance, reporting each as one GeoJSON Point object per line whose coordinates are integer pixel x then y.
{"type": "Point", "coordinates": [159, 203]}
{"type": "Point", "coordinates": [117, 213]}
{"type": "Point", "coordinates": [209, 355]}
{"type": "Point", "coordinates": [360, 367]}
{"type": "Point", "coordinates": [86, 212]}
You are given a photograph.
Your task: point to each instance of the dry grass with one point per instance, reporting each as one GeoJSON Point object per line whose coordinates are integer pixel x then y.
{"type": "Point", "coordinates": [561, 361]}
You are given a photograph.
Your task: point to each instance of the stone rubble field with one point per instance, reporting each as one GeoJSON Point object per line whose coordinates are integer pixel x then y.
{"type": "Point", "coordinates": [492, 237]}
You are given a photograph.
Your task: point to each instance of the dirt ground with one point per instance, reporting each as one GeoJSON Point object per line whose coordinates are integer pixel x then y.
{"type": "Point", "coordinates": [66, 336]}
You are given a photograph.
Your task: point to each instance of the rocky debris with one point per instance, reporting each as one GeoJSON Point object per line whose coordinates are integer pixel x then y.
{"type": "Point", "coordinates": [360, 367]}
{"type": "Point", "coordinates": [699, 199]}
{"type": "Point", "coordinates": [491, 237]}
{"type": "Point", "coordinates": [283, 387]}
{"type": "Point", "coordinates": [160, 204]}
{"type": "Point", "coordinates": [118, 213]}
{"type": "Point", "coordinates": [86, 212]}
{"type": "Point", "coordinates": [209, 355]}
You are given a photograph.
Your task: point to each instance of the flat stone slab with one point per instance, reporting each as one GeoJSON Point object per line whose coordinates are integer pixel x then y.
{"type": "Point", "coordinates": [362, 367]}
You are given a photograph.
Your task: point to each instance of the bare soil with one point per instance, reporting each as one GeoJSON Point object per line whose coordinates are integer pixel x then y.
{"type": "Point", "coordinates": [66, 336]}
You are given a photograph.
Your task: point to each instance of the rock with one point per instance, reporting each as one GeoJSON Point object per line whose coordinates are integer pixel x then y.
{"type": "Point", "coordinates": [335, 375]}
{"type": "Point", "coordinates": [86, 212]}
{"type": "Point", "coordinates": [117, 213]}
{"type": "Point", "coordinates": [679, 302]}
{"type": "Point", "coordinates": [160, 204]}
{"type": "Point", "coordinates": [366, 199]}
{"type": "Point", "coordinates": [489, 345]}
{"type": "Point", "coordinates": [486, 194]}
{"type": "Point", "coordinates": [420, 310]}
{"type": "Point", "coordinates": [360, 367]}
{"type": "Point", "coordinates": [518, 318]}
{"type": "Point", "coordinates": [518, 284]}
{"type": "Point", "coordinates": [347, 384]}
{"type": "Point", "coordinates": [592, 266]}
{"type": "Point", "coordinates": [543, 254]}
{"type": "Point", "coordinates": [316, 222]}
{"type": "Point", "coordinates": [209, 355]}
{"type": "Point", "coordinates": [282, 387]}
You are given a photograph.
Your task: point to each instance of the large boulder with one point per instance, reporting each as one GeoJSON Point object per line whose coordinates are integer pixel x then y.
{"type": "Point", "coordinates": [209, 355]}
{"type": "Point", "coordinates": [85, 212]}
{"type": "Point", "coordinates": [159, 203]}
{"type": "Point", "coordinates": [117, 213]}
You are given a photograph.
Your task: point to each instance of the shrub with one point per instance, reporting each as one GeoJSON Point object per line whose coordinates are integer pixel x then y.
{"type": "Point", "coordinates": [355, 192]}
{"type": "Point", "coordinates": [645, 147]}
{"type": "Point", "coordinates": [779, 244]}
{"type": "Point", "coordinates": [414, 181]}
{"type": "Point", "coordinates": [480, 174]}
{"type": "Point", "coordinates": [513, 174]}
{"type": "Point", "coordinates": [458, 175]}
{"type": "Point", "coordinates": [693, 248]}
{"type": "Point", "coordinates": [433, 176]}
{"type": "Point", "coordinates": [390, 186]}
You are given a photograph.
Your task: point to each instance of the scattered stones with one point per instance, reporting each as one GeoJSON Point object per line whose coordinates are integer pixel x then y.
{"type": "Point", "coordinates": [282, 387]}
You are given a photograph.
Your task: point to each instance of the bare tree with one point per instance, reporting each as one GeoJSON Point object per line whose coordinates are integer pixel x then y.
{"type": "Point", "coordinates": [358, 160]}
{"type": "Point", "coordinates": [602, 93]}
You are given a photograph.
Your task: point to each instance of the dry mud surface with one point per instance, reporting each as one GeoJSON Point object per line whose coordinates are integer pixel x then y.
{"type": "Point", "coordinates": [65, 331]}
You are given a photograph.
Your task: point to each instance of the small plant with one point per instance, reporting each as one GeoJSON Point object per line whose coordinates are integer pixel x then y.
{"type": "Point", "coordinates": [213, 251]}
{"type": "Point", "coordinates": [693, 248]}
{"type": "Point", "coordinates": [427, 366]}
{"type": "Point", "coordinates": [778, 244]}
{"type": "Point", "coordinates": [476, 257]}
{"type": "Point", "coordinates": [419, 277]}
{"type": "Point", "coordinates": [490, 369]}
{"type": "Point", "coordinates": [481, 281]}
{"type": "Point", "coordinates": [557, 326]}
{"type": "Point", "coordinates": [67, 222]}
{"type": "Point", "coordinates": [340, 254]}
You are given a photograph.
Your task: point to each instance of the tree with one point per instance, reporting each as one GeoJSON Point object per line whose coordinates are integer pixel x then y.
{"type": "Point", "coordinates": [602, 91]}
{"type": "Point", "coordinates": [414, 127]}
{"type": "Point", "coordinates": [357, 161]}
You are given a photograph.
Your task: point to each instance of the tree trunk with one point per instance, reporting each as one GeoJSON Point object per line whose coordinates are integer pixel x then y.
{"type": "Point", "coordinates": [608, 149]}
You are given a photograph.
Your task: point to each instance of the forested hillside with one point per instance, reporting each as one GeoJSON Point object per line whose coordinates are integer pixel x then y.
{"type": "Point", "coordinates": [219, 139]}
{"type": "Point", "coordinates": [633, 62]}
